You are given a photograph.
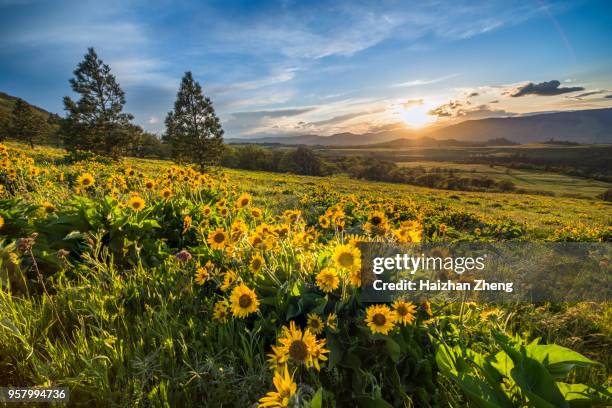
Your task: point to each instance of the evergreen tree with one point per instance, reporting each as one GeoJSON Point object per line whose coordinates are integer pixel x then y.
{"type": "Point", "coordinates": [25, 125]}
{"type": "Point", "coordinates": [193, 131]}
{"type": "Point", "coordinates": [96, 122]}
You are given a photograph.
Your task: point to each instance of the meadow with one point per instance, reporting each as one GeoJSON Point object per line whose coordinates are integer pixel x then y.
{"type": "Point", "coordinates": [145, 283]}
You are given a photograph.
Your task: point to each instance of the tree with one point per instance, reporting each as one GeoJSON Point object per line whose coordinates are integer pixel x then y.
{"type": "Point", "coordinates": [96, 122]}
{"type": "Point", "coordinates": [25, 125]}
{"type": "Point", "coordinates": [193, 131]}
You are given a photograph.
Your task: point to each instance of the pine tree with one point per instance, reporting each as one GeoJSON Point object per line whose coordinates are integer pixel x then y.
{"type": "Point", "coordinates": [96, 122]}
{"type": "Point", "coordinates": [25, 125]}
{"type": "Point", "coordinates": [193, 131]}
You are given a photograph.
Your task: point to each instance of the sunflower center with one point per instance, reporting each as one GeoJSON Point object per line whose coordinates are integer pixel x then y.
{"type": "Point", "coordinates": [256, 264]}
{"type": "Point", "coordinates": [346, 259]}
{"type": "Point", "coordinates": [245, 301]}
{"type": "Point", "coordinates": [219, 238]}
{"type": "Point", "coordinates": [298, 350]}
{"type": "Point", "coordinates": [401, 311]}
{"type": "Point", "coordinates": [376, 220]}
{"type": "Point", "coordinates": [379, 319]}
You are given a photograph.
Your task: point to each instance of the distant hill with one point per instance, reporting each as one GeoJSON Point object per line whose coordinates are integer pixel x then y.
{"type": "Point", "coordinates": [584, 126]}
{"type": "Point", "coordinates": [427, 141]}
{"type": "Point", "coordinates": [7, 101]}
{"type": "Point", "coordinates": [338, 139]}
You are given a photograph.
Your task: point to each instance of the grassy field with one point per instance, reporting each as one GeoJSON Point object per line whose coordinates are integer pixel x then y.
{"type": "Point", "coordinates": [535, 181]}
{"type": "Point", "coordinates": [143, 283]}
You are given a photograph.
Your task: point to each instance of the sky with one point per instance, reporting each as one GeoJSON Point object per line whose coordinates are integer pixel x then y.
{"type": "Point", "coordinates": [319, 67]}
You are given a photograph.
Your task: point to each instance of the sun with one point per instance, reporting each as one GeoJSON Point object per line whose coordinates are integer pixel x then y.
{"type": "Point", "coordinates": [416, 116]}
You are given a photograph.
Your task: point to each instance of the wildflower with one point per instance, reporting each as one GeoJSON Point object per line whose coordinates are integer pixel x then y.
{"type": "Point", "coordinates": [228, 280]}
{"type": "Point", "coordinates": [277, 358]}
{"type": "Point", "coordinates": [347, 257]}
{"type": "Point", "coordinates": [332, 321]}
{"type": "Point", "coordinates": [291, 216]}
{"type": "Point", "coordinates": [165, 193]}
{"type": "Point", "coordinates": [315, 323]}
{"type": "Point", "coordinates": [328, 280]}
{"type": "Point", "coordinates": [49, 208]}
{"type": "Point", "coordinates": [184, 256]}
{"type": "Point", "coordinates": [202, 274]}
{"type": "Point", "coordinates": [404, 311]}
{"type": "Point", "coordinates": [380, 319]}
{"type": "Point", "coordinates": [206, 210]}
{"type": "Point", "coordinates": [377, 223]}
{"type": "Point", "coordinates": [244, 301]}
{"type": "Point", "coordinates": [243, 201]}
{"type": "Point", "coordinates": [136, 203]}
{"type": "Point", "coordinates": [257, 263]}
{"type": "Point", "coordinates": [85, 180]}
{"type": "Point", "coordinates": [427, 308]}
{"type": "Point", "coordinates": [442, 228]}
{"type": "Point", "coordinates": [324, 221]}
{"type": "Point", "coordinates": [217, 239]}
{"type": "Point", "coordinates": [285, 389]}
{"type": "Point", "coordinates": [221, 311]}
{"type": "Point", "coordinates": [186, 224]}
{"type": "Point", "coordinates": [297, 344]}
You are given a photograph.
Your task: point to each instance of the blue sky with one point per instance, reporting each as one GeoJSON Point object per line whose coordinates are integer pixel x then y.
{"type": "Point", "coordinates": [296, 67]}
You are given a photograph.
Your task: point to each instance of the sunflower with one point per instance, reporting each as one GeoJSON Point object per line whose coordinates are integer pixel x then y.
{"type": "Point", "coordinates": [328, 280]}
{"type": "Point", "coordinates": [243, 200]}
{"type": "Point", "coordinates": [49, 208]}
{"type": "Point", "coordinates": [324, 221]}
{"type": "Point", "coordinates": [347, 257]}
{"type": "Point", "coordinates": [318, 354]}
{"type": "Point", "coordinates": [136, 203]}
{"type": "Point", "coordinates": [221, 311]}
{"type": "Point", "coordinates": [355, 278]}
{"type": "Point", "coordinates": [332, 321]}
{"type": "Point", "coordinates": [244, 301]}
{"type": "Point", "coordinates": [297, 344]}
{"type": "Point", "coordinates": [285, 389]}
{"type": "Point", "coordinates": [224, 211]}
{"type": "Point", "coordinates": [377, 223]}
{"type": "Point", "coordinates": [257, 262]}
{"type": "Point", "coordinates": [202, 274]}
{"type": "Point", "coordinates": [206, 210]}
{"type": "Point", "coordinates": [86, 180]}
{"type": "Point", "coordinates": [228, 280]}
{"type": "Point", "coordinates": [149, 184]}
{"type": "Point", "coordinates": [315, 323]}
{"type": "Point", "coordinates": [404, 311]}
{"type": "Point", "coordinates": [217, 239]}
{"type": "Point", "coordinates": [256, 213]}
{"type": "Point", "coordinates": [165, 193]}
{"type": "Point", "coordinates": [380, 319]}
{"type": "Point", "coordinates": [277, 358]}
{"type": "Point", "coordinates": [186, 223]}
{"type": "Point", "coordinates": [1, 222]}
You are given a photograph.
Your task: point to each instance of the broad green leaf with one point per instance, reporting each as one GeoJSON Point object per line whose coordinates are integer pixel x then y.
{"type": "Point", "coordinates": [393, 349]}
{"type": "Point", "coordinates": [557, 360]}
{"type": "Point", "coordinates": [317, 399]}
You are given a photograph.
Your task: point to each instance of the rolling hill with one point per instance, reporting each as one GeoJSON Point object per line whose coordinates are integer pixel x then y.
{"type": "Point", "coordinates": [585, 126]}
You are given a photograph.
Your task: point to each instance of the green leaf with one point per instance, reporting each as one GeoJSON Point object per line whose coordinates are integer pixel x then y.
{"type": "Point", "coordinates": [393, 349]}
{"type": "Point", "coordinates": [369, 402]}
{"type": "Point", "coordinates": [317, 399]}
{"type": "Point", "coordinates": [557, 360]}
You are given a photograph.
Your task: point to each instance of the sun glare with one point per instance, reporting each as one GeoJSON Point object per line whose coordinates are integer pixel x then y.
{"type": "Point", "coordinates": [416, 116]}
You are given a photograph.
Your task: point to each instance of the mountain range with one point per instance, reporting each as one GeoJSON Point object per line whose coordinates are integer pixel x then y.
{"type": "Point", "coordinates": [583, 126]}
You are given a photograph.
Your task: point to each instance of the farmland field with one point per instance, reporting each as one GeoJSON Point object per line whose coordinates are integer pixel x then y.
{"type": "Point", "coordinates": [144, 283]}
